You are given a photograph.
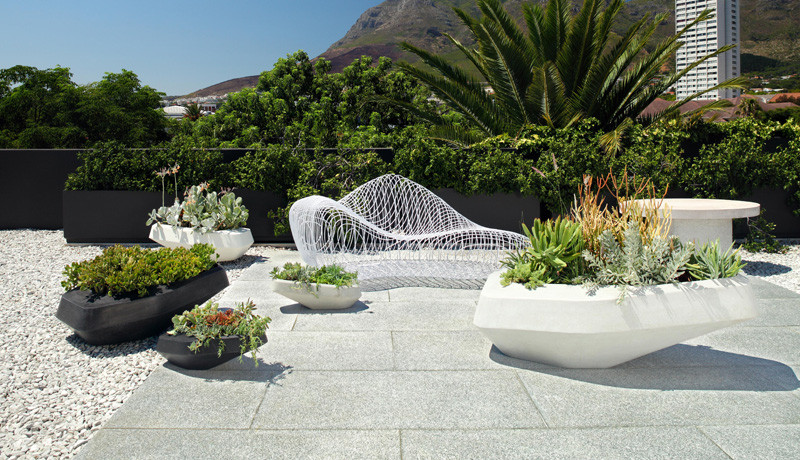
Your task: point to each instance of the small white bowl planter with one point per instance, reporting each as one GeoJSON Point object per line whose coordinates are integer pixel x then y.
{"type": "Point", "coordinates": [567, 326]}
{"type": "Point", "coordinates": [321, 296]}
{"type": "Point", "coordinates": [229, 244]}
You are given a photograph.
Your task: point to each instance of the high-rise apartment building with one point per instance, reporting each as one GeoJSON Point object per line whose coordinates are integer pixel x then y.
{"type": "Point", "coordinates": [705, 38]}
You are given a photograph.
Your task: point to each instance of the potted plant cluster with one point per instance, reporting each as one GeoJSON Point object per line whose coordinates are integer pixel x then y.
{"type": "Point", "coordinates": [607, 285]}
{"type": "Point", "coordinates": [329, 287]}
{"type": "Point", "coordinates": [203, 216]}
{"type": "Point", "coordinates": [208, 336]}
{"type": "Point", "coordinates": [132, 293]}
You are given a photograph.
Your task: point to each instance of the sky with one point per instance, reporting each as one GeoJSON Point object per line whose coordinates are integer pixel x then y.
{"type": "Point", "coordinates": [174, 46]}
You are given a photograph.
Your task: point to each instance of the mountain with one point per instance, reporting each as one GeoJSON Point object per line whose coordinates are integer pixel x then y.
{"type": "Point", "coordinates": [230, 86]}
{"type": "Point", "coordinates": [770, 32]}
{"type": "Point", "coordinates": [770, 29]}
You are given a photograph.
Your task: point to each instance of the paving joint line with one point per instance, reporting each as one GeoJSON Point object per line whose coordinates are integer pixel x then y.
{"type": "Point", "coordinates": [700, 429]}
{"type": "Point", "coordinates": [530, 396]}
{"type": "Point", "coordinates": [258, 408]}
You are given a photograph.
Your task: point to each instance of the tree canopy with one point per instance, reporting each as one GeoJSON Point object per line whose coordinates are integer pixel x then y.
{"type": "Point", "coordinates": [46, 109]}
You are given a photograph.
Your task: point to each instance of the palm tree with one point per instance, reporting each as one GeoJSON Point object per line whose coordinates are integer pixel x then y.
{"type": "Point", "coordinates": [563, 69]}
{"type": "Point", "coordinates": [193, 112]}
{"type": "Point", "coordinates": [749, 107]}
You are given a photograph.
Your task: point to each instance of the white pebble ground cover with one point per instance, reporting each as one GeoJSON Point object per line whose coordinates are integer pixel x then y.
{"type": "Point", "coordinates": [55, 389]}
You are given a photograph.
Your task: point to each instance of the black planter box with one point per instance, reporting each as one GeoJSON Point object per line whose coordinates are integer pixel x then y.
{"type": "Point", "coordinates": [35, 178]}
{"type": "Point", "coordinates": [107, 320]}
{"type": "Point", "coordinates": [175, 348]}
{"type": "Point", "coordinates": [110, 216]}
{"type": "Point", "coordinates": [259, 203]}
{"type": "Point", "coordinates": [502, 211]}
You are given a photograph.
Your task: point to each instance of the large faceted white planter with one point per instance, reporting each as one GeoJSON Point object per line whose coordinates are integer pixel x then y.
{"type": "Point", "coordinates": [567, 326]}
{"type": "Point", "coordinates": [320, 296]}
{"type": "Point", "coordinates": [229, 244]}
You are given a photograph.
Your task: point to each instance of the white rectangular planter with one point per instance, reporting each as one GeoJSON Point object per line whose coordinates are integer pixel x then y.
{"type": "Point", "coordinates": [229, 244]}
{"type": "Point", "coordinates": [567, 326]}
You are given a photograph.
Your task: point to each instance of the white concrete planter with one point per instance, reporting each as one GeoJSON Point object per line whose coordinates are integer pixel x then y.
{"type": "Point", "coordinates": [229, 244]}
{"type": "Point", "coordinates": [321, 297]}
{"type": "Point", "coordinates": [566, 326]}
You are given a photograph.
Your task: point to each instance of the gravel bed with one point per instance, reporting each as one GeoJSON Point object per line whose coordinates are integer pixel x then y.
{"type": "Point", "coordinates": [781, 269]}
{"type": "Point", "coordinates": [56, 390]}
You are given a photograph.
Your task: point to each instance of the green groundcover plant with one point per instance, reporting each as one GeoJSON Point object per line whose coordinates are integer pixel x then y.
{"type": "Point", "coordinates": [135, 271]}
{"type": "Point", "coordinates": [207, 323]}
{"type": "Point", "coordinates": [312, 277]}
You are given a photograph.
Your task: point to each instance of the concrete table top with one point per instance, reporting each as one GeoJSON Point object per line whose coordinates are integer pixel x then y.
{"type": "Point", "coordinates": [707, 208]}
{"type": "Point", "coordinates": [705, 220]}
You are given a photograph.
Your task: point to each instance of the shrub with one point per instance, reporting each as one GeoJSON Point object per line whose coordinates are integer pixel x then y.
{"type": "Point", "coordinates": [207, 322]}
{"type": "Point", "coordinates": [273, 168]}
{"type": "Point", "coordinates": [111, 166]}
{"type": "Point", "coordinates": [135, 271]}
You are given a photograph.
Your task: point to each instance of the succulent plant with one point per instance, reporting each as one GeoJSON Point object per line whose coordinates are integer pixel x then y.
{"type": "Point", "coordinates": [203, 210]}
{"type": "Point", "coordinates": [708, 262]}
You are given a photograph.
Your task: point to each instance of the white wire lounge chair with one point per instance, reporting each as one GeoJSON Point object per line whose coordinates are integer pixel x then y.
{"type": "Point", "coordinates": [395, 232]}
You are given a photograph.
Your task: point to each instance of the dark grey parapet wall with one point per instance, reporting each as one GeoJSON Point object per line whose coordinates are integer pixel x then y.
{"type": "Point", "coordinates": [31, 182]}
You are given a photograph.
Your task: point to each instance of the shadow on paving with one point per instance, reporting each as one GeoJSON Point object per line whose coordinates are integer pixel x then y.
{"type": "Point", "coordinates": [235, 371]}
{"type": "Point", "coordinates": [297, 309]}
{"type": "Point", "coordinates": [394, 282]}
{"type": "Point", "coordinates": [733, 372]}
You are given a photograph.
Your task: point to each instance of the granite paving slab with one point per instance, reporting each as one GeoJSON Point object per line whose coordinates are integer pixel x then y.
{"type": "Point", "coordinates": [606, 443]}
{"type": "Point", "coordinates": [398, 399]}
{"type": "Point", "coordinates": [767, 442]}
{"type": "Point", "coordinates": [194, 444]}
{"type": "Point", "coordinates": [660, 396]}
{"type": "Point", "coordinates": [361, 351]}
{"type": "Point", "coordinates": [442, 350]}
{"type": "Point", "coordinates": [175, 398]}
{"type": "Point", "coordinates": [389, 316]}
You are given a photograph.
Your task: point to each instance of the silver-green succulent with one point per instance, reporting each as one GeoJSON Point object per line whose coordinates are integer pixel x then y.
{"type": "Point", "coordinates": [203, 210]}
{"type": "Point", "coordinates": [633, 263]}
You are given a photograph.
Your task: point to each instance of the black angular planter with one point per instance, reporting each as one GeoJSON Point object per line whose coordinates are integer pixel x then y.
{"type": "Point", "coordinates": [175, 348]}
{"type": "Point", "coordinates": [107, 320]}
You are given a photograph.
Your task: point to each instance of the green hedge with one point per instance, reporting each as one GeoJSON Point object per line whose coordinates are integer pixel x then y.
{"type": "Point", "coordinates": [719, 160]}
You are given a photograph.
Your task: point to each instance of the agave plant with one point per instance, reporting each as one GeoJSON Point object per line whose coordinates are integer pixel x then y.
{"type": "Point", "coordinates": [563, 69]}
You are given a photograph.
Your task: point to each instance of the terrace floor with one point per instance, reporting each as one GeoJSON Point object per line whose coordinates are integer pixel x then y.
{"type": "Point", "coordinates": [405, 374]}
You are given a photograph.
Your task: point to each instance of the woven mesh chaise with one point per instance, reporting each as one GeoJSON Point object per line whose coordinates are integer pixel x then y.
{"type": "Point", "coordinates": [395, 232]}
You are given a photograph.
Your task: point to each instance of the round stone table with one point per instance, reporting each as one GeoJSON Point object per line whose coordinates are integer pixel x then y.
{"type": "Point", "coordinates": [704, 220]}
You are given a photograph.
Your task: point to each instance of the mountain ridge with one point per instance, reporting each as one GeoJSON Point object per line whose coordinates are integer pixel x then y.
{"type": "Point", "coordinates": [770, 29]}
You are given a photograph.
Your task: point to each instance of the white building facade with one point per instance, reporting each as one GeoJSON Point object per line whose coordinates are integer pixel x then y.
{"type": "Point", "coordinates": [705, 38]}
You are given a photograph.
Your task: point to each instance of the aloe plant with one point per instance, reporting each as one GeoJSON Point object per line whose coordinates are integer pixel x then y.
{"type": "Point", "coordinates": [708, 262]}
{"type": "Point", "coordinates": [554, 255]}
